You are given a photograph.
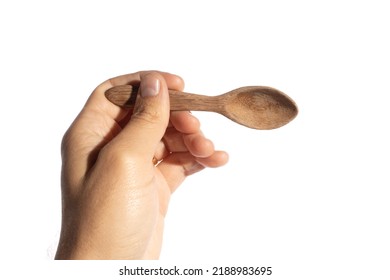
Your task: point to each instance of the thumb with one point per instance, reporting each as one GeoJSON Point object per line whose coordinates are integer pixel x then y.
{"type": "Point", "coordinates": [150, 117]}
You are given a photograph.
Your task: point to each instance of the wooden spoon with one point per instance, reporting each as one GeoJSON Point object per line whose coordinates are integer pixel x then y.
{"type": "Point", "coordinates": [256, 107]}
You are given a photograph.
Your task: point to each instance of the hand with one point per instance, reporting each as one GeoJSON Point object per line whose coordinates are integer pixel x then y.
{"type": "Point", "coordinates": [114, 197]}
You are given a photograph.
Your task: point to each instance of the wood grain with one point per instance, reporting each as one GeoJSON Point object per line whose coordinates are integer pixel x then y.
{"type": "Point", "coordinates": [256, 107]}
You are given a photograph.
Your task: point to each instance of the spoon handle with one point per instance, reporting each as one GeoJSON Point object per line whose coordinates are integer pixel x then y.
{"type": "Point", "coordinates": [184, 101]}
{"type": "Point", "coordinates": [126, 95]}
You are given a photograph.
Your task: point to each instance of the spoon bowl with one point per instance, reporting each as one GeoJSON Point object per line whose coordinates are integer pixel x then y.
{"type": "Point", "coordinates": [257, 107]}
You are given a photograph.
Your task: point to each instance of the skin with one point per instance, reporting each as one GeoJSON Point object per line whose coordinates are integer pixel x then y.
{"type": "Point", "coordinates": [114, 198]}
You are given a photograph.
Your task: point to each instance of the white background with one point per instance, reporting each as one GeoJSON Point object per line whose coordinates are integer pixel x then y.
{"type": "Point", "coordinates": [310, 199]}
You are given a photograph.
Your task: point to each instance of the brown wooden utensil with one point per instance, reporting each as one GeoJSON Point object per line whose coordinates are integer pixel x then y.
{"type": "Point", "coordinates": [257, 107]}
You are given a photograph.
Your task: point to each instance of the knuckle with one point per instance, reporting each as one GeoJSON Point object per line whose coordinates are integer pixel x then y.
{"type": "Point", "coordinates": [147, 115]}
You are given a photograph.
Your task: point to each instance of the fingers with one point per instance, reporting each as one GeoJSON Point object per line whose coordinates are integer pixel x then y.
{"type": "Point", "coordinates": [177, 166]}
{"type": "Point", "coordinates": [184, 134]}
{"type": "Point", "coordinates": [217, 159]}
{"type": "Point", "coordinates": [185, 150]}
{"type": "Point", "coordinates": [175, 141]}
{"type": "Point", "coordinates": [198, 145]}
{"type": "Point", "coordinates": [185, 122]}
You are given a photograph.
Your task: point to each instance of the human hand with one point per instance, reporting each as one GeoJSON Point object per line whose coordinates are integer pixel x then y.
{"type": "Point", "coordinates": [114, 197]}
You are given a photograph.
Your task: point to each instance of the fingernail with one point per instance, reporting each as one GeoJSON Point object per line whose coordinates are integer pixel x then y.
{"type": "Point", "coordinates": [150, 87]}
